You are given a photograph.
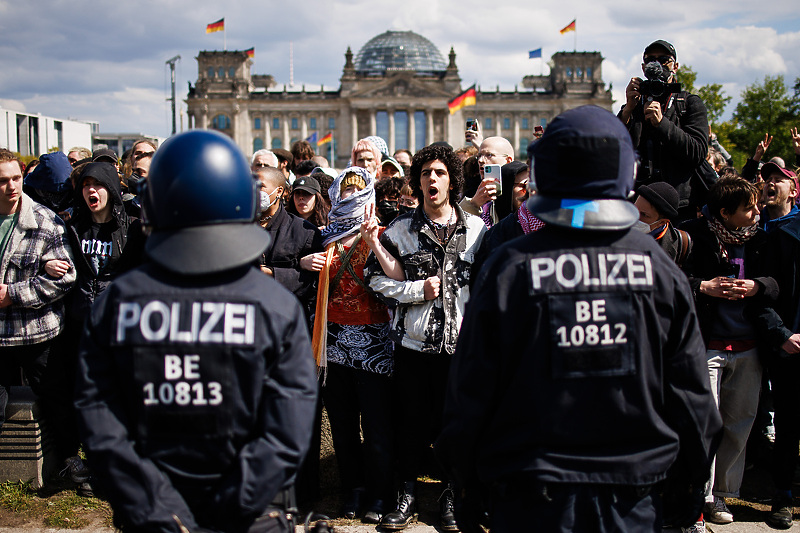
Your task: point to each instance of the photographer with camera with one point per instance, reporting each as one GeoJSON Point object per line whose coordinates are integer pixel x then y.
{"type": "Point", "coordinates": [669, 128]}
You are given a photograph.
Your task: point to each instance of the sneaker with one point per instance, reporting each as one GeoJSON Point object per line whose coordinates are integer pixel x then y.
{"type": "Point", "coordinates": [717, 512]}
{"type": "Point", "coordinates": [76, 470]}
{"type": "Point", "coordinates": [697, 527]}
{"type": "Point", "coordinates": [780, 517]}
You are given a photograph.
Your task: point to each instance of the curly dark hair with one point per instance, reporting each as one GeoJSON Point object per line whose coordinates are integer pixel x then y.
{"type": "Point", "coordinates": [451, 161]}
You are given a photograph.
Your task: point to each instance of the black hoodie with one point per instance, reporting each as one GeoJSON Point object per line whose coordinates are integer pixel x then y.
{"type": "Point", "coordinates": [102, 251]}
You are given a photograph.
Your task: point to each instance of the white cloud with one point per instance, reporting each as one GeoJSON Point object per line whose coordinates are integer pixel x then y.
{"type": "Point", "coordinates": [110, 66]}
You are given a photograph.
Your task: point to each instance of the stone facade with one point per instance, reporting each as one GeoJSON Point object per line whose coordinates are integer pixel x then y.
{"type": "Point", "coordinates": [403, 99]}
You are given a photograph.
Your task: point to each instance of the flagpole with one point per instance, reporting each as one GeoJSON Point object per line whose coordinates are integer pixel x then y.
{"type": "Point", "coordinates": [575, 42]}
{"type": "Point", "coordinates": [224, 37]}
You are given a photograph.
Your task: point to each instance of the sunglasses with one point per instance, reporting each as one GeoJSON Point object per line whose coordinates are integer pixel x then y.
{"type": "Point", "coordinates": [661, 59]}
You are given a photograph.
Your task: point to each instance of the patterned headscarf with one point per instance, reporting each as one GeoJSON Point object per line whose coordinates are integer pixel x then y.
{"type": "Point", "coordinates": [347, 215]}
{"type": "Point", "coordinates": [380, 143]}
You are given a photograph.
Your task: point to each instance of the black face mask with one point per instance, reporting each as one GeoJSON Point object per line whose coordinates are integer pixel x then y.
{"type": "Point", "coordinates": [405, 209]}
{"type": "Point", "coordinates": [387, 210]}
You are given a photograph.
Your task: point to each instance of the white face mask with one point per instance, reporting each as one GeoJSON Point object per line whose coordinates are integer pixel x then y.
{"type": "Point", "coordinates": [644, 227]}
{"type": "Point", "coordinates": [265, 201]}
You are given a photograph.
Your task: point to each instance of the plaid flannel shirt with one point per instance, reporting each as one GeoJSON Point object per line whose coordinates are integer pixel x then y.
{"type": "Point", "coordinates": [36, 311]}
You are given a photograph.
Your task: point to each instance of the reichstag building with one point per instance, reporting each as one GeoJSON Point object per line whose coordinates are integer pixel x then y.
{"type": "Point", "coordinates": [397, 86]}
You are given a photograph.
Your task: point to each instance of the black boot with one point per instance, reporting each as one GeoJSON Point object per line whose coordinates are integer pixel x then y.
{"type": "Point", "coordinates": [446, 507]}
{"type": "Point", "coordinates": [352, 505]}
{"type": "Point", "coordinates": [406, 509]}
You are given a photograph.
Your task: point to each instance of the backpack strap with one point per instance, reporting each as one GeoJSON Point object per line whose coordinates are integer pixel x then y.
{"type": "Point", "coordinates": [685, 240]}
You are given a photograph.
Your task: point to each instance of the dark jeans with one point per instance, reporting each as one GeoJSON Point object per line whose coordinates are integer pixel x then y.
{"type": "Point", "coordinates": [584, 508]}
{"type": "Point", "coordinates": [420, 380]}
{"type": "Point", "coordinates": [786, 398]}
{"type": "Point", "coordinates": [351, 394]}
{"type": "Point", "coordinates": [49, 369]}
{"type": "Point", "coordinates": [29, 359]}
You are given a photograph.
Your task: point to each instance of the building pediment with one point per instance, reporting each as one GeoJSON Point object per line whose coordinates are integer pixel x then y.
{"type": "Point", "coordinates": [400, 85]}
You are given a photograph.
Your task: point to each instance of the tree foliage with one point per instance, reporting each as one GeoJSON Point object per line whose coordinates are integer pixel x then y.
{"type": "Point", "coordinates": [716, 101]}
{"type": "Point", "coordinates": [766, 108]}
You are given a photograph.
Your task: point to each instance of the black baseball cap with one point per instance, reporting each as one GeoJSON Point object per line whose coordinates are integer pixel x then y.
{"type": "Point", "coordinates": [662, 44]}
{"type": "Point", "coordinates": [307, 184]}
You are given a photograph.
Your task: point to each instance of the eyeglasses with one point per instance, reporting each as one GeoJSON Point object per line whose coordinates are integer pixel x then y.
{"type": "Point", "coordinates": [490, 155]}
{"type": "Point", "coordinates": [661, 59]}
{"type": "Point", "coordinates": [261, 165]}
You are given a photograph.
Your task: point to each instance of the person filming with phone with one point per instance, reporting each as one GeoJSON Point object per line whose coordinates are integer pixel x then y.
{"type": "Point", "coordinates": [494, 152]}
{"type": "Point", "coordinates": [669, 128]}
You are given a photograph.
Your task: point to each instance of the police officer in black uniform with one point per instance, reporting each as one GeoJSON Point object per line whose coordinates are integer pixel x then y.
{"type": "Point", "coordinates": [197, 386]}
{"type": "Point", "coordinates": [580, 370]}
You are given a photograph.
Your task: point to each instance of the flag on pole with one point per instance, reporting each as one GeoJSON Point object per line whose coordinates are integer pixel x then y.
{"type": "Point", "coordinates": [467, 98]}
{"type": "Point", "coordinates": [216, 26]}
{"type": "Point", "coordinates": [251, 52]}
{"type": "Point", "coordinates": [312, 138]}
{"type": "Point", "coordinates": [328, 138]}
{"type": "Point", "coordinates": [569, 27]}
{"type": "Point", "coordinates": [533, 54]}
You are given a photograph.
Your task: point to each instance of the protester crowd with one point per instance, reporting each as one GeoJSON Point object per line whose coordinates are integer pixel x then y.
{"type": "Point", "coordinates": [383, 254]}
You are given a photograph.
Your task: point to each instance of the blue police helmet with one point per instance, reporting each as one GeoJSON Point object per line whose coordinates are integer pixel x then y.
{"type": "Point", "coordinates": [201, 202]}
{"type": "Point", "coordinates": [584, 168]}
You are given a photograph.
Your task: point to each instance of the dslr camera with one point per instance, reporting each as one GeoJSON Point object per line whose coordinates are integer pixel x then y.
{"type": "Point", "coordinates": [655, 86]}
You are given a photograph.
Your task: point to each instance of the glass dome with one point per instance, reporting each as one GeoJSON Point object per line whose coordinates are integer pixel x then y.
{"type": "Point", "coordinates": [399, 50]}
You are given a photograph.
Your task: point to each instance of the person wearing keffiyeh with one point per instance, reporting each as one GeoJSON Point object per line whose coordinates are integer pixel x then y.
{"type": "Point", "coordinates": [725, 270]}
{"type": "Point", "coordinates": [352, 348]}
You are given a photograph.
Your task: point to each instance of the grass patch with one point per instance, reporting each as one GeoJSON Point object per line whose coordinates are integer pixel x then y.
{"type": "Point", "coordinates": [16, 497]}
{"type": "Point", "coordinates": [21, 506]}
{"type": "Point", "coordinates": [69, 511]}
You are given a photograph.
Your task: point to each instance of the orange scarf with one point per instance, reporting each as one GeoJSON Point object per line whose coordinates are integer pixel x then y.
{"type": "Point", "coordinates": [319, 339]}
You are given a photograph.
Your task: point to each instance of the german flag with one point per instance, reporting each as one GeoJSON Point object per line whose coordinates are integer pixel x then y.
{"type": "Point", "coordinates": [328, 138]}
{"type": "Point", "coordinates": [216, 26]}
{"type": "Point", "coordinates": [569, 27]}
{"type": "Point", "coordinates": [251, 52]}
{"type": "Point", "coordinates": [467, 98]}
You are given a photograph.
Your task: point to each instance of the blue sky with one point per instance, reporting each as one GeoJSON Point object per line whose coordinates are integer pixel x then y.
{"type": "Point", "coordinates": [105, 61]}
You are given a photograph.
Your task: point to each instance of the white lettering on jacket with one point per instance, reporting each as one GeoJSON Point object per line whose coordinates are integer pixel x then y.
{"type": "Point", "coordinates": [204, 322]}
{"type": "Point", "coordinates": [602, 270]}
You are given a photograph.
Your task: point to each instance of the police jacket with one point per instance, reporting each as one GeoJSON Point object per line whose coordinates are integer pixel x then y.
{"type": "Point", "coordinates": [195, 397]}
{"type": "Point", "coordinates": [429, 326]}
{"type": "Point", "coordinates": [580, 361]}
{"type": "Point", "coordinates": [292, 239]}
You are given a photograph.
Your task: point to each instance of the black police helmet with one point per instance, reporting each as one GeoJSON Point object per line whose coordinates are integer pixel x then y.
{"type": "Point", "coordinates": [201, 201]}
{"type": "Point", "coordinates": [584, 167]}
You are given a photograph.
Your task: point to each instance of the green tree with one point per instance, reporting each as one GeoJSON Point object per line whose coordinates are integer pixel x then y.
{"type": "Point", "coordinates": [712, 94]}
{"type": "Point", "coordinates": [766, 108]}
{"type": "Point", "coordinates": [686, 77]}
{"type": "Point", "coordinates": [716, 101]}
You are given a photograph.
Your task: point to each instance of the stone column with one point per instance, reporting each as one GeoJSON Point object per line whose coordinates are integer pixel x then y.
{"type": "Point", "coordinates": [429, 125]}
{"type": "Point", "coordinates": [390, 114]}
{"type": "Point", "coordinates": [267, 132]}
{"type": "Point", "coordinates": [287, 140]}
{"type": "Point", "coordinates": [498, 130]}
{"type": "Point", "coordinates": [516, 136]}
{"type": "Point", "coordinates": [373, 125]}
{"type": "Point", "coordinates": [412, 131]}
{"type": "Point", "coordinates": [354, 127]}
{"type": "Point", "coordinates": [303, 126]}
{"type": "Point", "coordinates": [204, 117]}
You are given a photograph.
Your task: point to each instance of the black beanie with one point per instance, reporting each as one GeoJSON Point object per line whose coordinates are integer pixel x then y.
{"type": "Point", "coordinates": [663, 196]}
